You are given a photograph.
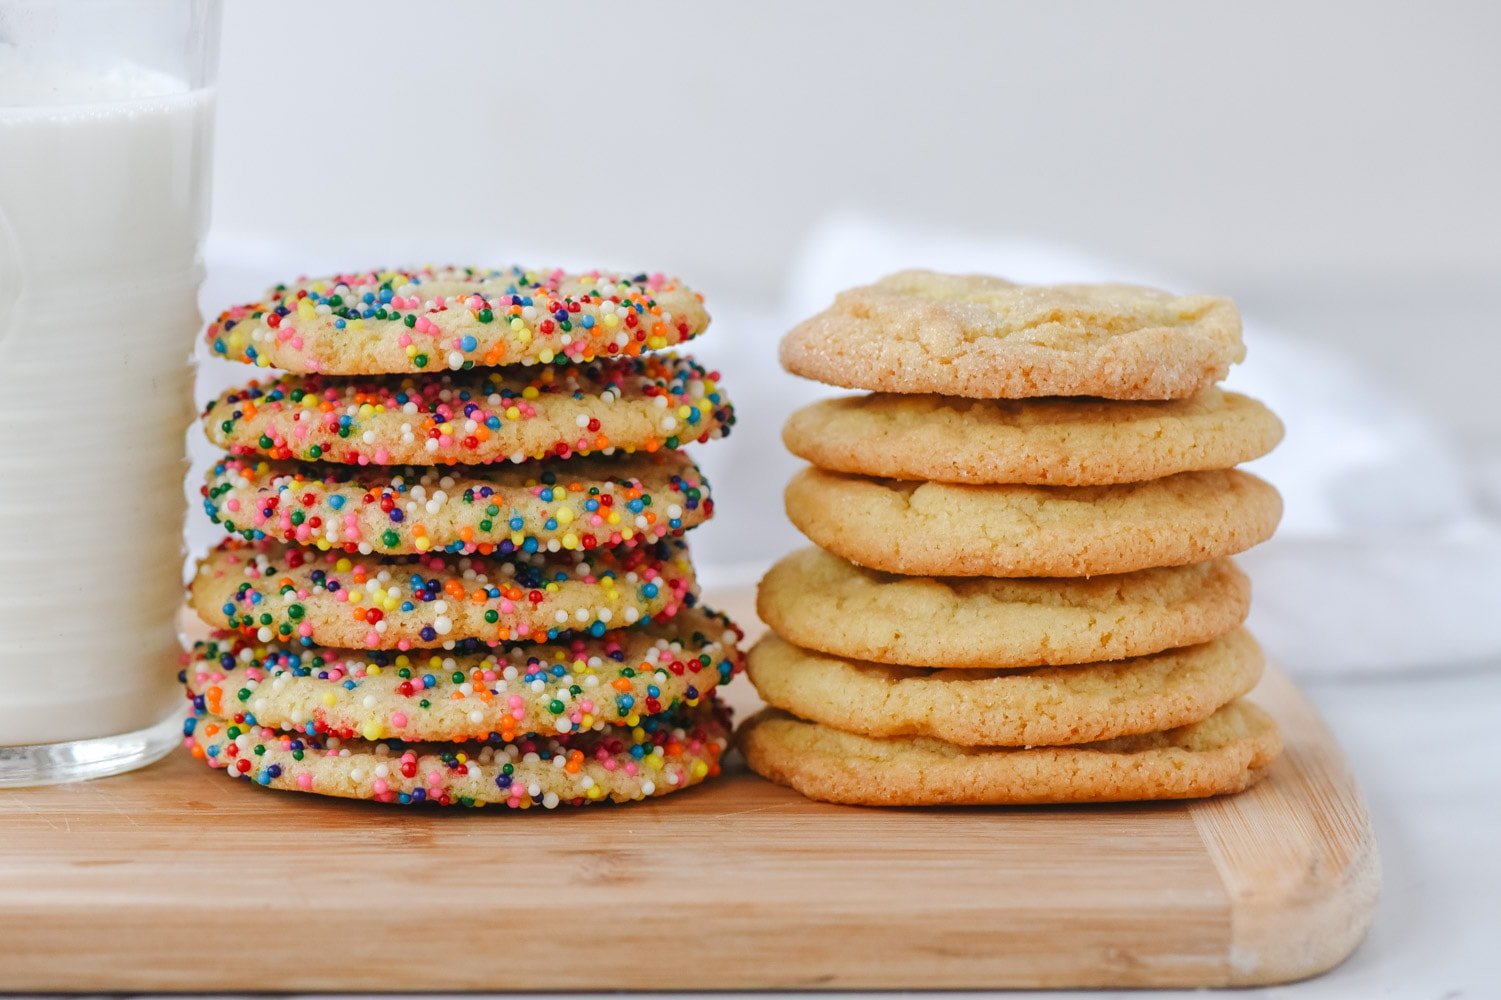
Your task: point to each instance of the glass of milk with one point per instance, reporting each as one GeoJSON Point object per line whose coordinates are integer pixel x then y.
{"type": "Point", "coordinates": [106, 128]}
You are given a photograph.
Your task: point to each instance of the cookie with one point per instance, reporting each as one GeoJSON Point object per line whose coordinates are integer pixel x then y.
{"type": "Point", "coordinates": [822, 602]}
{"type": "Point", "coordinates": [578, 503]}
{"type": "Point", "coordinates": [1044, 442]}
{"type": "Point", "coordinates": [432, 319]}
{"type": "Point", "coordinates": [944, 529]}
{"type": "Point", "coordinates": [1045, 706]}
{"type": "Point", "coordinates": [568, 686]}
{"type": "Point", "coordinates": [277, 593]}
{"type": "Point", "coordinates": [986, 338]}
{"type": "Point", "coordinates": [467, 418]}
{"type": "Point", "coordinates": [1227, 752]}
{"type": "Point", "coordinates": [665, 753]}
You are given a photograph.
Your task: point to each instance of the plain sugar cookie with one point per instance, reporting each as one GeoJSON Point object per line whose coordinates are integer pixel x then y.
{"type": "Point", "coordinates": [943, 529]}
{"type": "Point", "coordinates": [820, 601]}
{"type": "Point", "coordinates": [1227, 752]}
{"type": "Point", "coordinates": [1045, 706]}
{"type": "Point", "coordinates": [1043, 442]}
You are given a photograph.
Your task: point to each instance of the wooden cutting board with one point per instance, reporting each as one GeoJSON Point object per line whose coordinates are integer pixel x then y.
{"type": "Point", "coordinates": [176, 878]}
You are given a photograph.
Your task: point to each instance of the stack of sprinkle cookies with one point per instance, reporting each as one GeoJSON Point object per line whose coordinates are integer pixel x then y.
{"type": "Point", "coordinates": [456, 572]}
{"type": "Point", "coordinates": [1022, 591]}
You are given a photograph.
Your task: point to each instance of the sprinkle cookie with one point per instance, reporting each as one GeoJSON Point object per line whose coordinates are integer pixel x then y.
{"type": "Point", "coordinates": [275, 593]}
{"type": "Point", "coordinates": [451, 318]}
{"type": "Point", "coordinates": [665, 753]}
{"type": "Point", "coordinates": [986, 338]}
{"type": "Point", "coordinates": [1046, 706]}
{"type": "Point", "coordinates": [1227, 752]}
{"type": "Point", "coordinates": [622, 405]}
{"type": "Point", "coordinates": [581, 503]}
{"type": "Point", "coordinates": [1045, 442]}
{"type": "Point", "coordinates": [943, 529]}
{"type": "Point", "coordinates": [568, 686]}
{"type": "Point", "coordinates": [821, 602]}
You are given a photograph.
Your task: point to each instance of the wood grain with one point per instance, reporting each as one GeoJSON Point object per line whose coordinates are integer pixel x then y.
{"type": "Point", "coordinates": [176, 878]}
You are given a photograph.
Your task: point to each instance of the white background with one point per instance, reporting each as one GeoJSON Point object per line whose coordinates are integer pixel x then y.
{"type": "Point", "coordinates": [1334, 166]}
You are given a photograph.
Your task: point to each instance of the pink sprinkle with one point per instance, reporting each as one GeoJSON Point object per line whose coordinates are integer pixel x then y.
{"type": "Point", "coordinates": [399, 720]}
{"type": "Point", "coordinates": [304, 781]}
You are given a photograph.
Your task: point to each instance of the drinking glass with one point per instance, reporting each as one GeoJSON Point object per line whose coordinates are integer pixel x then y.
{"type": "Point", "coordinates": [106, 128]}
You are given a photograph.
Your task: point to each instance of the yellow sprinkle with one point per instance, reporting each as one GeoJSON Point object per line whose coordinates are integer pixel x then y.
{"type": "Point", "coordinates": [329, 699]}
{"type": "Point", "coordinates": [530, 392]}
{"type": "Point", "coordinates": [564, 515]}
{"type": "Point", "coordinates": [371, 730]}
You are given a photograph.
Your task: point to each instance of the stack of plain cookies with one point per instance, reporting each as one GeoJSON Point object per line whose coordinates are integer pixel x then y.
{"type": "Point", "coordinates": [1022, 590]}
{"type": "Point", "coordinates": [455, 572]}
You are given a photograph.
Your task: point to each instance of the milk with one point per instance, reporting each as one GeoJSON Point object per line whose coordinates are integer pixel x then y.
{"type": "Point", "coordinates": [103, 203]}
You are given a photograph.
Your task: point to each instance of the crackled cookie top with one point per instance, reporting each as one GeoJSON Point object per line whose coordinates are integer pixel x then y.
{"type": "Point", "coordinates": [664, 753]}
{"type": "Point", "coordinates": [987, 338]}
{"type": "Point", "coordinates": [273, 592]}
{"type": "Point", "coordinates": [566, 686]}
{"type": "Point", "coordinates": [451, 318]}
{"type": "Point", "coordinates": [465, 418]}
{"type": "Point", "coordinates": [578, 503]}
